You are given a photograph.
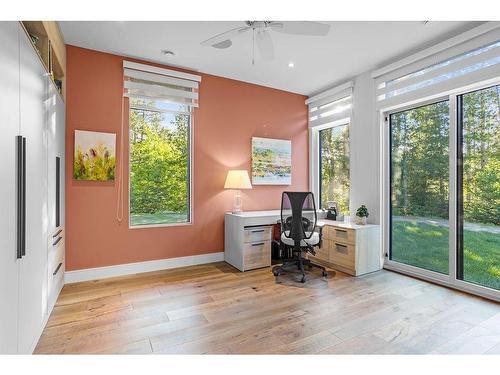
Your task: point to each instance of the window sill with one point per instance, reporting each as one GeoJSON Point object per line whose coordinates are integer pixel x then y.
{"type": "Point", "coordinates": [160, 225]}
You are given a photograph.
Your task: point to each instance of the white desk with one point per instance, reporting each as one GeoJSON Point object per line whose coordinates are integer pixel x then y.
{"type": "Point", "coordinates": [248, 237]}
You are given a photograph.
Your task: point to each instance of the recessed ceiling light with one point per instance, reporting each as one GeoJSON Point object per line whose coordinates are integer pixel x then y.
{"type": "Point", "coordinates": [291, 64]}
{"type": "Point", "coordinates": [167, 52]}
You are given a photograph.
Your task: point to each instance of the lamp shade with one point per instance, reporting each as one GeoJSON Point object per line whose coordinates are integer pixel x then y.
{"type": "Point", "coordinates": [237, 179]}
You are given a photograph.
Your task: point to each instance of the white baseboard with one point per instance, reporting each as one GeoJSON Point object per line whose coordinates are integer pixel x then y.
{"type": "Point", "coordinates": [133, 268]}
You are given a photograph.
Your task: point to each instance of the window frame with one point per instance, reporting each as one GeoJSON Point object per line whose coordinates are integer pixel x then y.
{"type": "Point", "coordinates": [452, 279]}
{"type": "Point", "coordinates": [315, 158]}
{"type": "Point", "coordinates": [190, 168]}
{"type": "Point", "coordinates": [387, 119]}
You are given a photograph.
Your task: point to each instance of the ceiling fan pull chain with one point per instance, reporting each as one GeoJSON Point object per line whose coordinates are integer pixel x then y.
{"type": "Point", "coordinates": [253, 46]}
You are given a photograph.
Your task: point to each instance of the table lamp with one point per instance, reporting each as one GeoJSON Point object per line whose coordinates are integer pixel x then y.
{"type": "Point", "coordinates": [237, 180]}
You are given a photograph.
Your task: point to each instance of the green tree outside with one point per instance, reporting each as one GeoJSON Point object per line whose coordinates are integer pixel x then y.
{"type": "Point", "coordinates": [159, 167]}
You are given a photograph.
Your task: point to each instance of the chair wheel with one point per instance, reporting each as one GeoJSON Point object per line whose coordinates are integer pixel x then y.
{"type": "Point", "coordinates": [325, 274]}
{"type": "Point", "coordinates": [303, 280]}
{"type": "Point", "coordinates": [276, 273]}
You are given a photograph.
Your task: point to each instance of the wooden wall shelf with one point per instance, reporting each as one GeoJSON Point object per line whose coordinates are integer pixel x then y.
{"type": "Point", "coordinates": [47, 40]}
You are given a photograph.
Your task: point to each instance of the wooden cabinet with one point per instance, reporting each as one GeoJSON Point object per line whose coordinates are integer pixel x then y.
{"type": "Point", "coordinates": [350, 248]}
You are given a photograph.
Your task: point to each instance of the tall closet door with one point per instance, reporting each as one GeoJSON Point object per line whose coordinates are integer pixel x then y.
{"type": "Point", "coordinates": [9, 114]}
{"type": "Point", "coordinates": [55, 160]}
{"type": "Point", "coordinates": [33, 277]}
{"type": "Point", "coordinates": [55, 199]}
{"type": "Point", "coordinates": [61, 152]}
{"type": "Point", "coordinates": [52, 153]}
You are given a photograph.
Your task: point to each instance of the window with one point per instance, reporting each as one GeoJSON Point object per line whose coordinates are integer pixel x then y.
{"type": "Point", "coordinates": [478, 258]}
{"type": "Point", "coordinates": [159, 163]}
{"type": "Point", "coordinates": [329, 119]}
{"type": "Point", "coordinates": [160, 120]}
{"type": "Point", "coordinates": [334, 166]}
{"type": "Point", "coordinates": [440, 109]}
{"type": "Point", "coordinates": [419, 186]}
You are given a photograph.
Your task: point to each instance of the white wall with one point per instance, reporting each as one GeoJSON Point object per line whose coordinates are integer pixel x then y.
{"type": "Point", "coordinates": [365, 149]}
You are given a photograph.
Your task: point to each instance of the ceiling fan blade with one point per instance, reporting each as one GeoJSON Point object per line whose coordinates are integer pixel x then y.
{"type": "Point", "coordinates": [217, 41]}
{"type": "Point", "coordinates": [224, 44]}
{"type": "Point", "coordinates": [301, 28]}
{"type": "Point", "coordinates": [265, 45]}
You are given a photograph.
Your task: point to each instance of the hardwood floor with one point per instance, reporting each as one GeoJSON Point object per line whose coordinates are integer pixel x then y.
{"type": "Point", "coordinates": [216, 309]}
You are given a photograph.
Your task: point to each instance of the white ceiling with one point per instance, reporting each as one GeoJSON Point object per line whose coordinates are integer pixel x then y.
{"type": "Point", "coordinates": [349, 49]}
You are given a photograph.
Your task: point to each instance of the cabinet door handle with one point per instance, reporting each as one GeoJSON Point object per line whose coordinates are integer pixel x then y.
{"type": "Point", "coordinates": [57, 233]}
{"type": "Point", "coordinates": [57, 269]}
{"type": "Point", "coordinates": [258, 244]}
{"type": "Point", "coordinates": [19, 226]}
{"type": "Point", "coordinates": [257, 231]}
{"type": "Point", "coordinates": [57, 241]}
{"type": "Point", "coordinates": [23, 194]}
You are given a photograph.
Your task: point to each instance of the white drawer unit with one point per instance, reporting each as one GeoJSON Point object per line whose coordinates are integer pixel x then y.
{"type": "Point", "coordinates": [248, 237]}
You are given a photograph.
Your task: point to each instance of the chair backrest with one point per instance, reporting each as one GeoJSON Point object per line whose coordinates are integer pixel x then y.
{"type": "Point", "coordinates": [298, 214]}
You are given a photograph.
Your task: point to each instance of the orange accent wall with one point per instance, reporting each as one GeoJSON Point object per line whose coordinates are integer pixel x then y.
{"type": "Point", "coordinates": [230, 114]}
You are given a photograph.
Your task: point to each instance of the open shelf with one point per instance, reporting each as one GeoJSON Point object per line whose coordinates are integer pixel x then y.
{"type": "Point", "coordinates": [48, 43]}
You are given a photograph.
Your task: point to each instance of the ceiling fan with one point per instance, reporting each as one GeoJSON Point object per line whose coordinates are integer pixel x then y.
{"type": "Point", "coordinates": [261, 36]}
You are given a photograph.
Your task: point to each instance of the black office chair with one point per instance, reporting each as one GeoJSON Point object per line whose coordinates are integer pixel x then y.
{"type": "Point", "coordinates": [298, 231]}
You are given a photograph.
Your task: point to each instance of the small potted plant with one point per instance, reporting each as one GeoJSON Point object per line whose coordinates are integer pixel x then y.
{"type": "Point", "coordinates": [361, 215]}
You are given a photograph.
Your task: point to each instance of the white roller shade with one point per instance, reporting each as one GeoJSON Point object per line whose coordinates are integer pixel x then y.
{"type": "Point", "coordinates": [475, 57]}
{"type": "Point", "coordinates": [148, 82]}
{"type": "Point", "coordinates": [330, 106]}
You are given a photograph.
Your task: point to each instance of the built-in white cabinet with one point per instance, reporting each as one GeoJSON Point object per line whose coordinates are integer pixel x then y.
{"type": "Point", "coordinates": [55, 198]}
{"type": "Point", "coordinates": [9, 115]}
{"type": "Point", "coordinates": [32, 116]}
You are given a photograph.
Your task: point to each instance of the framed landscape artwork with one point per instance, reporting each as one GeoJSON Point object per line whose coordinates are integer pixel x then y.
{"type": "Point", "coordinates": [94, 158]}
{"type": "Point", "coordinates": [271, 161]}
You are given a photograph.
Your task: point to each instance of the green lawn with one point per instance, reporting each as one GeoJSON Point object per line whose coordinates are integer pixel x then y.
{"type": "Point", "coordinates": [426, 245]}
{"type": "Point", "coordinates": [158, 218]}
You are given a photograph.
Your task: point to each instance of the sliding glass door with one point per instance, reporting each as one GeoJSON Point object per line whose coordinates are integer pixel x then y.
{"type": "Point", "coordinates": [478, 154]}
{"type": "Point", "coordinates": [419, 187]}
{"type": "Point", "coordinates": [444, 190]}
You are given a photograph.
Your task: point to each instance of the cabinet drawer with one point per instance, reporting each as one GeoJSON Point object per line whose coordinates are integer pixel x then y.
{"type": "Point", "coordinates": [56, 282]}
{"type": "Point", "coordinates": [342, 253]}
{"type": "Point", "coordinates": [256, 234]}
{"type": "Point", "coordinates": [341, 234]}
{"type": "Point", "coordinates": [56, 256]}
{"type": "Point", "coordinates": [257, 255]}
